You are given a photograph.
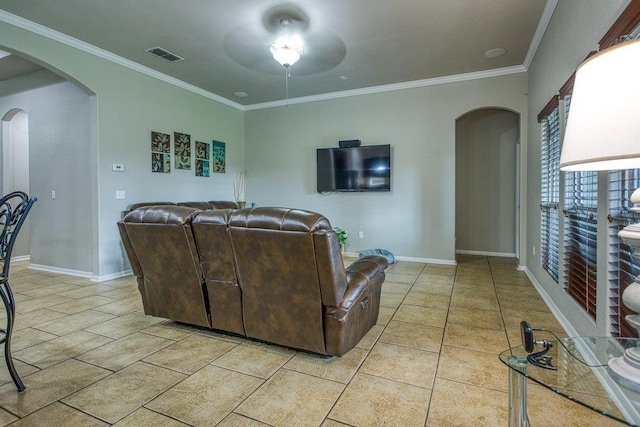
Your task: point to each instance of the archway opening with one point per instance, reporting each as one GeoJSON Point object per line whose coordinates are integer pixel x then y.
{"type": "Point", "coordinates": [487, 182]}
{"type": "Point", "coordinates": [15, 167]}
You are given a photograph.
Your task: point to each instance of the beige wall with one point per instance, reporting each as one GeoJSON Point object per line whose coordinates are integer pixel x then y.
{"type": "Point", "coordinates": [125, 106]}
{"type": "Point", "coordinates": [417, 218]}
{"type": "Point", "coordinates": [486, 182]}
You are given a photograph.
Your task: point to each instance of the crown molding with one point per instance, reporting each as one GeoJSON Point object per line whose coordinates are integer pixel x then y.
{"type": "Point", "coordinates": [456, 78]}
{"type": "Point", "coordinates": [49, 33]}
{"type": "Point", "coordinates": [543, 23]}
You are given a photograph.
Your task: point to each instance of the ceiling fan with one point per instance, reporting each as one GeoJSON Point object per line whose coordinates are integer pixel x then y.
{"type": "Point", "coordinates": [252, 46]}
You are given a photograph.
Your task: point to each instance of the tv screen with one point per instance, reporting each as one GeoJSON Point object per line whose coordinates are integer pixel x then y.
{"type": "Point", "coordinates": [365, 168]}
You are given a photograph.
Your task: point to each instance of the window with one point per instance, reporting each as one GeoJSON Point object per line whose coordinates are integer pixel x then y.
{"type": "Point", "coordinates": [580, 206]}
{"type": "Point", "coordinates": [550, 191]}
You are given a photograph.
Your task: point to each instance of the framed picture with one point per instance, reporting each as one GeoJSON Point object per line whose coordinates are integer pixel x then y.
{"type": "Point", "coordinates": [202, 158]}
{"type": "Point", "coordinates": [182, 150]}
{"type": "Point", "coordinates": [219, 157]}
{"type": "Point", "coordinates": [160, 152]}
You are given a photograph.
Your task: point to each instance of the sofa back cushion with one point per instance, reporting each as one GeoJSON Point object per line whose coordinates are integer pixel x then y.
{"type": "Point", "coordinates": [219, 269]}
{"type": "Point", "coordinates": [165, 250]}
{"type": "Point", "coordinates": [197, 205]}
{"type": "Point", "coordinates": [223, 204]}
{"type": "Point", "coordinates": [278, 273]}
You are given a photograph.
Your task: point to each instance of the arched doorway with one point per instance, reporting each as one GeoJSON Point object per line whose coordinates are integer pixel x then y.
{"type": "Point", "coordinates": [487, 182]}
{"type": "Point", "coordinates": [15, 166]}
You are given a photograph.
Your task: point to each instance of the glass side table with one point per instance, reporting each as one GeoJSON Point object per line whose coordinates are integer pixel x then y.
{"type": "Point", "coordinates": [581, 376]}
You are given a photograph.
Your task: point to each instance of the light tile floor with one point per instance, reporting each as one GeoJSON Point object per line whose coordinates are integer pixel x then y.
{"type": "Point", "coordinates": [90, 357]}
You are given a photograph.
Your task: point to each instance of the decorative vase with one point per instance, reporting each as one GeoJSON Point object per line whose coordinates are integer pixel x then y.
{"type": "Point", "coordinates": [242, 204]}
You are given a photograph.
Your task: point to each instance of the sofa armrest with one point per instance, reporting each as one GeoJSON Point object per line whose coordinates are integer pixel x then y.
{"type": "Point", "coordinates": [357, 313]}
{"type": "Point", "coordinates": [360, 275]}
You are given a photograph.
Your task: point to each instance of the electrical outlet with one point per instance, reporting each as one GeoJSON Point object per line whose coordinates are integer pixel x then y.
{"type": "Point", "coordinates": [534, 250]}
{"type": "Point", "coordinates": [53, 194]}
{"type": "Point", "coordinates": [120, 194]}
{"type": "Point", "coordinates": [117, 167]}
{"type": "Point", "coordinates": [361, 234]}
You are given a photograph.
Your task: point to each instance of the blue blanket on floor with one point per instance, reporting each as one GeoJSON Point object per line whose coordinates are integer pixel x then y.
{"type": "Point", "coordinates": [382, 252]}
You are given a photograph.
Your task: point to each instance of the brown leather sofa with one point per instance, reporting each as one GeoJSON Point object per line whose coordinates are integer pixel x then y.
{"type": "Point", "coordinates": [271, 274]}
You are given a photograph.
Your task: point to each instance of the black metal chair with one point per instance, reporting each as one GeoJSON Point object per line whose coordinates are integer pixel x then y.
{"type": "Point", "coordinates": [14, 208]}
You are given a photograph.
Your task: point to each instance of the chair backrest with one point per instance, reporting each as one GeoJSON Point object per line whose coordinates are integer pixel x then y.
{"type": "Point", "coordinates": [278, 273]}
{"type": "Point", "coordinates": [14, 208]}
{"type": "Point", "coordinates": [165, 254]}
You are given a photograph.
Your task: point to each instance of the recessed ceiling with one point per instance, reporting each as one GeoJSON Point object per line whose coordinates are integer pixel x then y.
{"type": "Point", "coordinates": [225, 43]}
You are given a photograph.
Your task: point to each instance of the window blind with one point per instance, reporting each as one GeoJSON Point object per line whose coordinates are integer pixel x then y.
{"type": "Point", "coordinates": [580, 231]}
{"type": "Point", "coordinates": [550, 192]}
{"type": "Point", "coordinates": [622, 266]}
{"type": "Point", "coordinates": [580, 238]}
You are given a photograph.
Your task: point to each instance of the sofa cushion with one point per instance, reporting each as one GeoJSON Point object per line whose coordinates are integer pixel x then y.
{"type": "Point", "coordinates": [277, 271]}
{"type": "Point", "coordinates": [219, 269]}
{"type": "Point", "coordinates": [162, 240]}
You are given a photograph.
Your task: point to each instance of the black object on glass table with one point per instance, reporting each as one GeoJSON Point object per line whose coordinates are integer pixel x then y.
{"type": "Point", "coordinates": [540, 358]}
{"type": "Point", "coordinates": [14, 208]}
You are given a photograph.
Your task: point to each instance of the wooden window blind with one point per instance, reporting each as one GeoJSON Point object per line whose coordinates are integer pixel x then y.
{"type": "Point", "coordinates": [580, 231]}
{"type": "Point", "coordinates": [550, 192]}
{"type": "Point", "coordinates": [580, 238]}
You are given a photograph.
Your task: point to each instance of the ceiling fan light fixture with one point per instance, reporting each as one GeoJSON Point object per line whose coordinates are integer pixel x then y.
{"type": "Point", "coordinates": [287, 51]}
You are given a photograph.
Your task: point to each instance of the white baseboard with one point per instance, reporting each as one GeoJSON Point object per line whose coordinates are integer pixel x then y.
{"type": "Point", "coordinates": [66, 271]}
{"type": "Point", "coordinates": [20, 258]}
{"type": "Point", "coordinates": [411, 259]}
{"type": "Point", "coordinates": [485, 253]}
{"type": "Point", "coordinates": [77, 273]}
{"type": "Point", "coordinates": [428, 260]}
{"type": "Point", "coordinates": [112, 276]}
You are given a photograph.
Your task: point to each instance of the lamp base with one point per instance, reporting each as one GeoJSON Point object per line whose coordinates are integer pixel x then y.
{"type": "Point", "coordinates": [625, 370]}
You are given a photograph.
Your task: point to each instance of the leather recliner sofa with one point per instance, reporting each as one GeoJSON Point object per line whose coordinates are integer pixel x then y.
{"type": "Point", "coordinates": [271, 274]}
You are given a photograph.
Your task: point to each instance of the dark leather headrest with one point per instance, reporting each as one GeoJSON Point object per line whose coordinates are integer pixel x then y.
{"type": "Point", "coordinates": [217, 217]}
{"type": "Point", "coordinates": [279, 219]}
{"type": "Point", "coordinates": [197, 205]}
{"type": "Point", "coordinates": [175, 215]}
{"type": "Point", "coordinates": [223, 204]}
{"type": "Point", "coordinates": [143, 204]}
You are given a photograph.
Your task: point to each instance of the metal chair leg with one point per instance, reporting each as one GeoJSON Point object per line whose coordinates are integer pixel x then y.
{"type": "Point", "coordinates": [9, 303]}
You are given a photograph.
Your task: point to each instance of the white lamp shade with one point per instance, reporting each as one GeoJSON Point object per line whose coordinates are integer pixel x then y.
{"type": "Point", "coordinates": [603, 128]}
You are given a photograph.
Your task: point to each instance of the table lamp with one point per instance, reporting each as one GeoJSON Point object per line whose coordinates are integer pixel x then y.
{"type": "Point", "coordinates": [603, 133]}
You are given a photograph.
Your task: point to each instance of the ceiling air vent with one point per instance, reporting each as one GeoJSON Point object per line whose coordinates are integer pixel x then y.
{"type": "Point", "coordinates": [164, 54]}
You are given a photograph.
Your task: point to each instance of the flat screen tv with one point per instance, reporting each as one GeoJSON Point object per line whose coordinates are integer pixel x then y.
{"type": "Point", "coordinates": [364, 168]}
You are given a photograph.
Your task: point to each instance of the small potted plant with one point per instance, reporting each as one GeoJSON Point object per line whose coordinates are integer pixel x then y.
{"type": "Point", "coordinates": [240, 188]}
{"type": "Point", "coordinates": [342, 238]}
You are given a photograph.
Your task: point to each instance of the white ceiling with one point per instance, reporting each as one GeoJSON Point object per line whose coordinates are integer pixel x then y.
{"type": "Point", "coordinates": [350, 44]}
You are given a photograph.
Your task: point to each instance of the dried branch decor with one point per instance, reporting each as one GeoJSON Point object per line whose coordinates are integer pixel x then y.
{"type": "Point", "coordinates": [240, 186]}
